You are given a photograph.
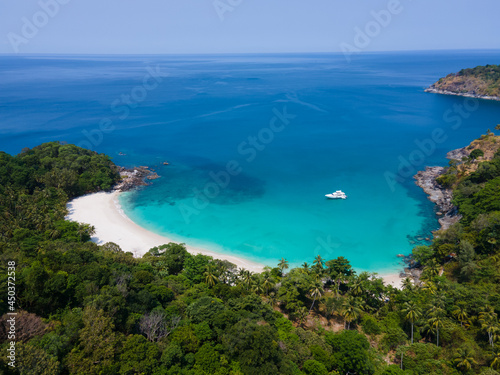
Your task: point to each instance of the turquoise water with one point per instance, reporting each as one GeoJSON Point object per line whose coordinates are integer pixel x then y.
{"type": "Point", "coordinates": [349, 127]}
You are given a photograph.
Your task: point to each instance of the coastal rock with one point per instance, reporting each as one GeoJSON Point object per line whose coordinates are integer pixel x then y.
{"type": "Point", "coordinates": [153, 176]}
{"type": "Point", "coordinates": [134, 177]}
{"type": "Point", "coordinates": [440, 196]}
{"type": "Point", "coordinates": [459, 153]}
{"type": "Point", "coordinates": [434, 90]}
{"type": "Point", "coordinates": [413, 274]}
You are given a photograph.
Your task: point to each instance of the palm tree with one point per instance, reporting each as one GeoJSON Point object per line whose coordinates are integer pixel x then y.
{"type": "Point", "coordinates": [402, 349]}
{"type": "Point", "coordinates": [246, 278]}
{"type": "Point", "coordinates": [316, 291]}
{"type": "Point", "coordinates": [439, 301]}
{"type": "Point", "coordinates": [257, 286]}
{"type": "Point", "coordinates": [283, 265]}
{"type": "Point", "coordinates": [351, 309]}
{"type": "Point", "coordinates": [432, 269]}
{"type": "Point", "coordinates": [210, 275]}
{"type": "Point", "coordinates": [338, 280]}
{"type": "Point", "coordinates": [302, 314]}
{"type": "Point", "coordinates": [495, 360]}
{"type": "Point", "coordinates": [430, 287]}
{"type": "Point", "coordinates": [272, 299]}
{"type": "Point", "coordinates": [407, 285]}
{"type": "Point", "coordinates": [222, 271]}
{"type": "Point", "coordinates": [492, 329]}
{"type": "Point", "coordinates": [319, 262]}
{"type": "Point", "coordinates": [412, 312]}
{"type": "Point", "coordinates": [489, 323]}
{"type": "Point", "coordinates": [54, 233]}
{"type": "Point", "coordinates": [356, 287]}
{"type": "Point", "coordinates": [460, 312]}
{"type": "Point", "coordinates": [330, 306]}
{"type": "Point", "coordinates": [464, 359]}
{"type": "Point", "coordinates": [305, 266]}
{"type": "Point", "coordinates": [487, 313]}
{"type": "Point", "coordinates": [267, 281]}
{"type": "Point", "coordinates": [84, 230]}
{"type": "Point", "coordinates": [436, 321]}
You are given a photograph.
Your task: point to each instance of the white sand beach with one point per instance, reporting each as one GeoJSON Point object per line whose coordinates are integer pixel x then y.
{"type": "Point", "coordinates": [393, 279]}
{"type": "Point", "coordinates": [103, 211]}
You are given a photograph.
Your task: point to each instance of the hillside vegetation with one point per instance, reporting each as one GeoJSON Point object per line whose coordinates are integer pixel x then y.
{"type": "Point", "coordinates": [479, 81]}
{"type": "Point", "coordinates": [89, 309]}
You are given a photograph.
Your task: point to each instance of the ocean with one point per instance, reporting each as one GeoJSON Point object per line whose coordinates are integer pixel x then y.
{"type": "Point", "coordinates": [254, 142]}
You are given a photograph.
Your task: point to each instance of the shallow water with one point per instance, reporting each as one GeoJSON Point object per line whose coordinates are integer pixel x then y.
{"type": "Point", "coordinates": [350, 126]}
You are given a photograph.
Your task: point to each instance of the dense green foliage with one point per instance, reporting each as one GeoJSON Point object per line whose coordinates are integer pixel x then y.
{"type": "Point", "coordinates": [92, 309]}
{"type": "Point", "coordinates": [35, 186]}
{"type": "Point", "coordinates": [481, 80]}
{"type": "Point", "coordinates": [488, 72]}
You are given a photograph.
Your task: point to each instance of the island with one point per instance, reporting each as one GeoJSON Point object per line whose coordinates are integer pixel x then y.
{"type": "Point", "coordinates": [482, 82]}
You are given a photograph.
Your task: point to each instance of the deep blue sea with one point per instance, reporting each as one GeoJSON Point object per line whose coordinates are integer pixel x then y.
{"type": "Point", "coordinates": [254, 142]}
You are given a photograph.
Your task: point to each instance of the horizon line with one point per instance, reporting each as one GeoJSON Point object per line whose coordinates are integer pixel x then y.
{"type": "Point", "coordinates": [239, 53]}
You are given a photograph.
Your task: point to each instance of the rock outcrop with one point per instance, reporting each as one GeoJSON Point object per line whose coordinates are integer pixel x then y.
{"type": "Point", "coordinates": [440, 196]}
{"type": "Point", "coordinates": [134, 177]}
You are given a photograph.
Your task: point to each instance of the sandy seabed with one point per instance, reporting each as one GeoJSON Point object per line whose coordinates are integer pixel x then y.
{"type": "Point", "coordinates": [103, 211]}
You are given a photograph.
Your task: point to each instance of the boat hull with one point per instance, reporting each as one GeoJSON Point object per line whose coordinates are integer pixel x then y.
{"type": "Point", "coordinates": [330, 196]}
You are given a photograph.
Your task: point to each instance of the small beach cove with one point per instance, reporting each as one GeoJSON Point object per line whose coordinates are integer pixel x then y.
{"type": "Point", "coordinates": [353, 123]}
{"type": "Point", "coordinates": [103, 211]}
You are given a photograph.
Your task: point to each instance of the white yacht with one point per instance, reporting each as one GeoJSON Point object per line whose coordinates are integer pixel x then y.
{"type": "Point", "coordinates": [339, 194]}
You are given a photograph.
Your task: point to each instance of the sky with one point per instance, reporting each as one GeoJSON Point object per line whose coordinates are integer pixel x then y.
{"type": "Point", "coordinates": [245, 26]}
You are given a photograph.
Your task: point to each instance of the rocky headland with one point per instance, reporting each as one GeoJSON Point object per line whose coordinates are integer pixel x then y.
{"type": "Point", "coordinates": [441, 196]}
{"type": "Point", "coordinates": [481, 82]}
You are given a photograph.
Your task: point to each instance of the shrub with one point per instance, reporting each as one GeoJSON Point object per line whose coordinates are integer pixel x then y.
{"type": "Point", "coordinates": [476, 153]}
{"type": "Point", "coordinates": [370, 325]}
{"type": "Point", "coordinates": [312, 367]}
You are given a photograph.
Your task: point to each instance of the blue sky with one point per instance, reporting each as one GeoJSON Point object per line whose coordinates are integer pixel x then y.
{"type": "Point", "coordinates": [239, 26]}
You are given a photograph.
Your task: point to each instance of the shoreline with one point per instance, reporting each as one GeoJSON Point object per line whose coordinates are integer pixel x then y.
{"type": "Point", "coordinates": [103, 211]}
{"type": "Point", "coordinates": [465, 94]}
{"type": "Point", "coordinates": [439, 195]}
{"type": "Point", "coordinates": [393, 279]}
